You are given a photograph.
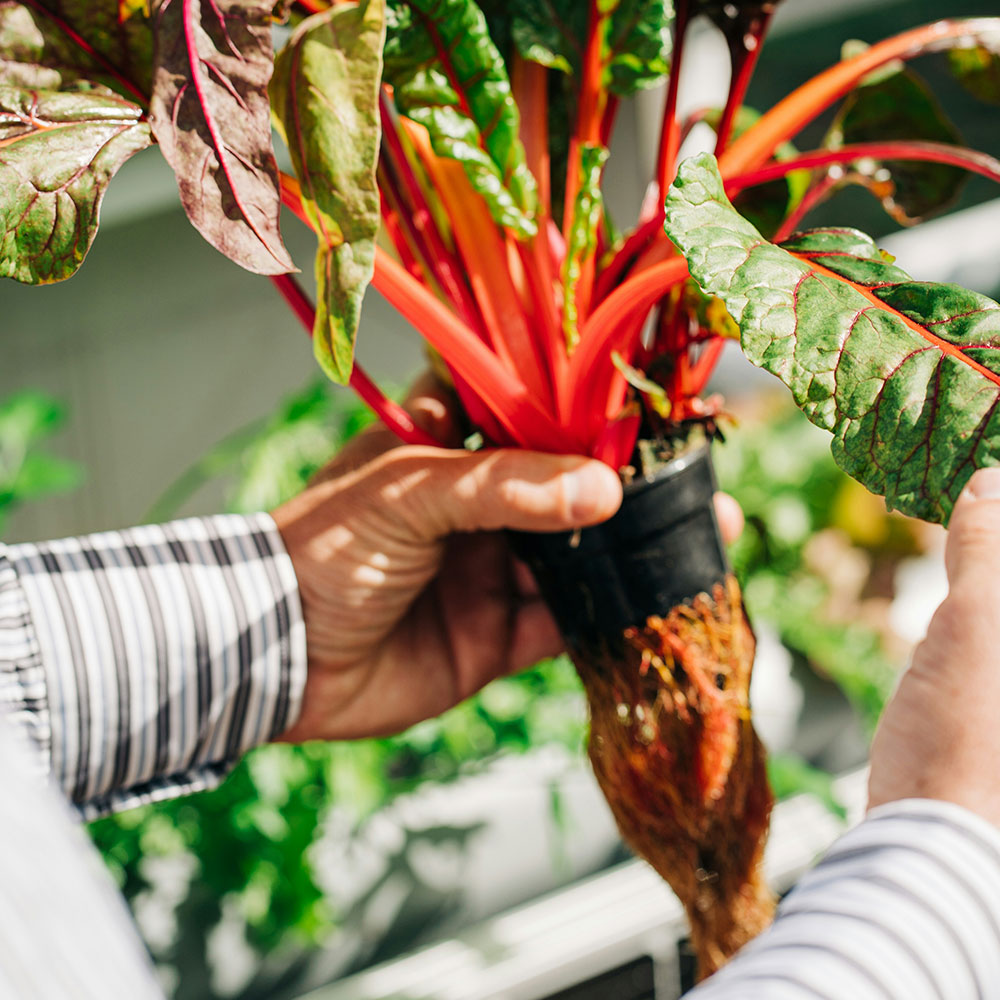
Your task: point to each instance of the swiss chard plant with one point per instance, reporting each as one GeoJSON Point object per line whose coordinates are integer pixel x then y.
{"type": "Point", "coordinates": [452, 155]}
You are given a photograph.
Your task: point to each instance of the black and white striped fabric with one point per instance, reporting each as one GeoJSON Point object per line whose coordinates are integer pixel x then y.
{"type": "Point", "coordinates": [143, 663]}
{"type": "Point", "coordinates": [140, 664]}
{"type": "Point", "coordinates": [906, 906]}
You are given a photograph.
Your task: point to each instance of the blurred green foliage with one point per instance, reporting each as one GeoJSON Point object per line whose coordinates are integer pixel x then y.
{"type": "Point", "coordinates": [781, 472]}
{"type": "Point", "coordinates": [27, 471]}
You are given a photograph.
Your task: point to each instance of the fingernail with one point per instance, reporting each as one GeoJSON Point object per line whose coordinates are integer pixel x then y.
{"type": "Point", "coordinates": [592, 491]}
{"type": "Point", "coordinates": [984, 484]}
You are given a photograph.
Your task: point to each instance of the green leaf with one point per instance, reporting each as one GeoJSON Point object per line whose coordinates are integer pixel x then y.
{"type": "Point", "coordinates": [58, 151]}
{"type": "Point", "coordinates": [550, 32]}
{"type": "Point", "coordinates": [26, 473]}
{"type": "Point", "coordinates": [637, 45]}
{"type": "Point", "coordinates": [899, 105]}
{"type": "Point", "coordinates": [210, 114]}
{"type": "Point", "coordinates": [38, 48]}
{"type": "Point", "coordinates": [448, 76]}
{"type": "Point", "coordinates": [325, 96]}
{"type": "Point", "coordinates": [582, 235]}
{"type": "Point", "coordinates": [904, 373]}
{"type": "Point", "coordinates": [766, 205]}
{"type": "Point", "coordinates": [978, 70]}
{"type": "Point", "coordinates": [42, 474]}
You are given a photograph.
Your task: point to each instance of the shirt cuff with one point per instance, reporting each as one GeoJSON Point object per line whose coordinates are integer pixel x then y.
{"type": "Point", "coordinates": [148, 660]}
{"type": "Point", "coordinates": [907, 904]}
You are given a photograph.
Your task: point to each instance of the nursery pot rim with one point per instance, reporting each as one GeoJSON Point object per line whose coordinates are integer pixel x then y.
{"type": "Point", "coordinates": [661, 549]}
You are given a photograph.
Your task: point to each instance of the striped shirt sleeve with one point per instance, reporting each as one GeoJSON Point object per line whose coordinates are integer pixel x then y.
{"type": "Point", "coordinates": [142, 663]}
{"type": "Point", "coordinates": [906, 905]}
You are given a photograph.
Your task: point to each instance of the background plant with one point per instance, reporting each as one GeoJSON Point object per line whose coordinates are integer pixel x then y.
{"type": "Point", "coordinates": [27, 470]}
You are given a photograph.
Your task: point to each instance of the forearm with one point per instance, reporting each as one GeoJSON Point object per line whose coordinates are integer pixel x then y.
{"type": "Point", "coordinates": [142, 663]}
{"type": "Point", "coordinates": [906, 905]}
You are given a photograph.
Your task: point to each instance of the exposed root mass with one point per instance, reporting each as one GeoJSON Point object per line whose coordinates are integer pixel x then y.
{"type": "Point", "coordinates": [677, 758]}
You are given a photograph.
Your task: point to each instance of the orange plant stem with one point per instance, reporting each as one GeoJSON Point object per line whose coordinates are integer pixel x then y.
{"type": "Point", "coordinates": [801, 106]}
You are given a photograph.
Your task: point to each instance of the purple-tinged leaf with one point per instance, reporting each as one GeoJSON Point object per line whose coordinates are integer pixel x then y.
{"type": "Point", "coordinates": [906, 374]}
{"type": "Point", "coordinates": [325, 93]}
{"type": "Point", "coordinates": [58, 44]}
{"type": "Point", "coordinates": [210, 114]}
{"type": "Point", "coordinates": [58, 151]}
{"type": "Point", "coordinates": [899, 105]}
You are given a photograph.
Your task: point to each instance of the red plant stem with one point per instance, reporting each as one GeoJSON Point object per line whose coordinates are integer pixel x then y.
{"type": "Point", "coordinates": [805, 103]}
{"type": "Point", "coordinates": [701, 370]}
{"type": "Point", "coordinates": [530, 89]}
{"type": "Point", "coordinates": [615, 325]}
{"type": "Point", "coordinates": [608, 119]}
{"type": "Point", "coordinates": [670, 129]}
{"type": "Point", "coordinates": [450, 337]}
{"type": "Point", "coordinates": [611, 276]}
{"type": "Point", "coordinates": [529, 84]}
{"type": "Point", "coordinates": [639, 292]}
{"type": "Point", "coordinates": [590, 110]}
{"type": "Point", "coordinates": [77, 39]}
{"type": "Point", "coordinates": [440, 259]}
{"type": "Point", "coordinates": [396, 223]}
{"type": "Point", "coordinates": [500, 389]}
{"type": "Point", "coordinates": [933, 152]}
{"type": "Point", "coordinates": [744, 52]}
{"type": "Point", "coordinates": [484, 251]}
{"type": "Point", "coordinates": [809, 201]}
{"type": "Point", "coordinates": [538, 271]}
{"type": "Point", "coordinates": [695, 118]}
{"type": "Point", "coordinates": [390, 413]}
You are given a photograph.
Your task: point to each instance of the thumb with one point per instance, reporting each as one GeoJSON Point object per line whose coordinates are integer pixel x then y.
{"type": "Point", "coordinates": [972, 551]}
{"type": "Point", "coordinates": [439, 492]}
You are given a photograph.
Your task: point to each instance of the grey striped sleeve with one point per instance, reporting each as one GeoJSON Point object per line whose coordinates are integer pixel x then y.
{"type": "Point", "coordinates": [905, 905]}
{"type": "Point", "coordinates": [142, 663]}
{"type": "Point", "coordinates": [64, 929]}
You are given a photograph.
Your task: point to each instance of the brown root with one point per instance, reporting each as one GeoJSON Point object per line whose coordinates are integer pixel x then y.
{"type": "Point", "coordinates": [677, 757]}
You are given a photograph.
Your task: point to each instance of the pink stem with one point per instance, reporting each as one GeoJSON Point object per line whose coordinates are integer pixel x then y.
{"type": "Point", "coordinates": [390, 413]}
{"type": "Point", "coordinates": [809, 201]}
{"type": "Point", "coordinates": [745, 51]}
{"type": "Point", "coordinates": [933, 152]}
{"type": "Point", "coordinates": [670, 129]}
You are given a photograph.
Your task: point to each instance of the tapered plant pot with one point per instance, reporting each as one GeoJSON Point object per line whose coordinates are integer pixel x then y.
{"type": "Point", "coordinates": [654, 621]}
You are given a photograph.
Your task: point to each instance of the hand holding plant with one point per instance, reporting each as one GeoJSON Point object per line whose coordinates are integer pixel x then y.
{"type": "Point", "coordinates": [453, 155]}
{"type": "Point", "coordinates": [938, 737]}
{"type": "Point", "coordinates": [411, 599]}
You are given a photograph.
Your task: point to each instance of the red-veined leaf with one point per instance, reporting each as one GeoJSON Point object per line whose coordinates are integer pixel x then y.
{"type": "Point", "coordinates": [210, 114]}
{"type": "Point", "coordinates": [325, 92]}
{"type": "Point", "coordinates": [448, 76]}
{"type": "Point", "coordinates": [58, 151]}
{"type": "Point", "coordinates": [906, 374]}
{"type": "Point", "coordinates": [57, 44]}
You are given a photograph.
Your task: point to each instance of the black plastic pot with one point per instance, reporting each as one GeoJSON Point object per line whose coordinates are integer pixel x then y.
{"type": "Point", "coordinates": [662, 548]}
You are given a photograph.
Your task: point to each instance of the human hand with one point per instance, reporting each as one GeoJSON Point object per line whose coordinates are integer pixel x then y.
{"type": "Point", "coordinates": [939, 737]}
{"type": "Point", "coordinates": [411, 599]}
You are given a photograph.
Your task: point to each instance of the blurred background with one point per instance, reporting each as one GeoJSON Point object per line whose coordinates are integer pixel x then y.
{"type": "Point", "coordinates": [164, 381]}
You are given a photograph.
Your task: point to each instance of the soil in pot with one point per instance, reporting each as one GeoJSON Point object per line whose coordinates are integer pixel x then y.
{"type": "Point", "coordinates": [654, 621]}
